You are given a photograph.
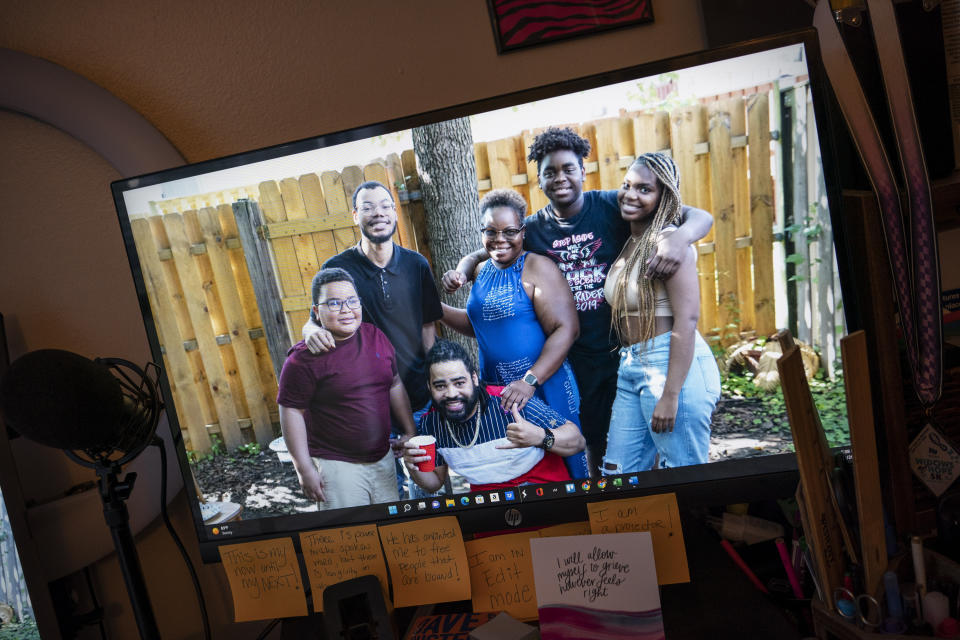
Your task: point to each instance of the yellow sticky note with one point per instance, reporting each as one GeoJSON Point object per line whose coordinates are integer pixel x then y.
{"type": "Point", "coordinates": [336, 555]}
{"type": "Point", "coordinates": [264, 578]}
{"type": "Point", "coordinates": [657, 514]}
{"type": "Point", "coordinates": [427, 561]}
{"type": "Point", "coordinates": [501, 574]}
{"type": "Point", "coordinates": [566, 529]}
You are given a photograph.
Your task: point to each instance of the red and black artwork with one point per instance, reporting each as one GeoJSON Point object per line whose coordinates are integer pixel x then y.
{"type": "Point", "coordinates": [523, 23]}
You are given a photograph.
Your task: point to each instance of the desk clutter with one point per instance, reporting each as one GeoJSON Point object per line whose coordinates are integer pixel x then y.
{"type": "Point", "coordinates": [861, 585]}
{"type": "Point", "coordinates": [601, 575]}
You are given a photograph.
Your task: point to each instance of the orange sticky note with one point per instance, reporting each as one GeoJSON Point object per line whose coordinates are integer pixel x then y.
{"type": "Point", "coordinates": [566, 529]}
{"type": "Point", "coordinates": [264, 578]}
{"type": "Point", "coordinates": [657, 514]}
{"type": "Point", "coordinates": [501, 574]}
{"type": "Point", "coordinates": [427, 561]}
{"type": "Point", "coordinates": [336, 555]}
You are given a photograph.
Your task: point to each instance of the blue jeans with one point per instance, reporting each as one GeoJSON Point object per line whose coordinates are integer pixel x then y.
{"type": "Point", "coordinates": [631, 444]}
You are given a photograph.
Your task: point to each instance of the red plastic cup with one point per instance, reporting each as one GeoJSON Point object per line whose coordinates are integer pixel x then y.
{"type": "Point", "coordinates": [428, 444]}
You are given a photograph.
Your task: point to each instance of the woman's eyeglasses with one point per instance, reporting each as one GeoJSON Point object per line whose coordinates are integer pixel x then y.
{"type": "Point", "coordinates": [509, 233]}
{"type": "Point", "coordinates": [335, 304]}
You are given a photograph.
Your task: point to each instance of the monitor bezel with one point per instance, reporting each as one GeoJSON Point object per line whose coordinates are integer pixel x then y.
{"type": "Point", "coordinates": [714, 483]}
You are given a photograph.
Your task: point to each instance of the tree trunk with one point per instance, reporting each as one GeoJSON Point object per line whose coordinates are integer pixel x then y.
{"type": "Point", "coordinates": [448, 176]}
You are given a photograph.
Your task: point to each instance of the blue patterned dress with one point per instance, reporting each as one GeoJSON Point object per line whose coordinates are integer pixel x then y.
{"type": "Point", "coordinates": [510, 340]}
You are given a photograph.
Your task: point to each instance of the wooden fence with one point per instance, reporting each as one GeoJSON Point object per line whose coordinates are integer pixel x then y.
{"type": "Point", "coordinates": [13, 585]}
{"type": "Point", "coordinates": [209, 261]}
{"type": "Point", "coordinates": [814, 303]}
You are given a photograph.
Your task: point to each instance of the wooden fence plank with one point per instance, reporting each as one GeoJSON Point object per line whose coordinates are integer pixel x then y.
{"type": "Point", "coordinates": [338, 204]}
{"type": "Point", "coordinates": [588, 130]}
{"type": "Point", "coordinates": [316, 206]}
{"type": "Point", "coordinates": [504, 163]}
{"type": "Point", "coordinates": [256, 251]}
{"type": "Point", "coordinates": [283, 252]}
{"type": "Point", "coordinates": [823, 294]}
{"type": "Point", "coordinates": [218, 323]}
{"type": "Point", "coordinates": [537, 199]}
{"type": "Point", "coordinates": [761, 213]}
{"type": "Point", "coordinates": [251, 314]}
{"type": "Point", "coordinates": [721, 188]}
{"type": "Point", "coordinates": [801, 215]}
{"type": "Point", "coordinates": [482, 161]}
{"type": "Point", "coordinates": [414, 207]}
{"type": "Point", "coordinates": [179, 372]}
{"type": "Point", "coordinates": [193, 291]}
{"type": "Point", "coordinates": [689, 128]}
{"type": "Point", "coordinates": [303, 247]}
{"type": "Point", "coordinates": [741, 215]}
{"type": "Point", "coordinates": [237, 328]}
{"type": "Point", "coordinates": [608, 153]}
{"type": "Point", "coordinates": [185, 324]}
{"type": "Point", "coordinates": [350, 179]}
{"type": "Point", "coordinates": [391, 171]}
{"type": "Point", "coordinates": [623, 138]}
{"type": "Point", "coordinates": [651, 132]}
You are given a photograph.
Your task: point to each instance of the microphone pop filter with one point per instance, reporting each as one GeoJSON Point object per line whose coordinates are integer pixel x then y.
{"type": "Point", "coordinates": [63, 400]}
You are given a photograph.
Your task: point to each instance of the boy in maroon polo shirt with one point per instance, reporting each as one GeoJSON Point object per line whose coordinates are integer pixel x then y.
{"type": "Point", "coordinates": [335, 407]}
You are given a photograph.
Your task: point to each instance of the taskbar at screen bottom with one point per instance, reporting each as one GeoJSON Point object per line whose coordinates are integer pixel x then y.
{"type": "Point", "coordinates": [507, 495]}
{"type": "Point", "coordinates": [429, 505]}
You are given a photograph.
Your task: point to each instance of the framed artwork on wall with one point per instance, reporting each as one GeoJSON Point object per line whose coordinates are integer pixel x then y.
{"type": "Point", "coordinates": [524, 23]}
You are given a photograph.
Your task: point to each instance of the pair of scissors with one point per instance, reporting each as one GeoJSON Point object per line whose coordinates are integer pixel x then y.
{"type": "Point", "coordinates": [862, 610]}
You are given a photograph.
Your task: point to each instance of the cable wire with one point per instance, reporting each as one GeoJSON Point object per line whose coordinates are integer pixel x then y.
{"type": "Point", "coordinates": [173, 534]}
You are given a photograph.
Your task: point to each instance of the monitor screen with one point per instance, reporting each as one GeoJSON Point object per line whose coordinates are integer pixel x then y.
{"type": "Point", "coordinates": [224, 254]}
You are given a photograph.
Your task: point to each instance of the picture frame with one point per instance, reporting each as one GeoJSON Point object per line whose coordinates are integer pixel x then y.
{"type": "Point", "coordinates": [518, 24]}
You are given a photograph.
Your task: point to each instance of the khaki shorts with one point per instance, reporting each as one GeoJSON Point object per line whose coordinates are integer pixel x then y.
{"type": "Point", "coordinates": [352, 484]}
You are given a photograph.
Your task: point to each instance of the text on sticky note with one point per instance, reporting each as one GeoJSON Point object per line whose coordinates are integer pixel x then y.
{"type": "Point", "coordinates": [501, 574]}
{"type": "Point", "coordinates": [336, 555]}
{"type": "Point", "coordinates": [264, 579]}
{"type": "Point", "coordinates": [427, 561]}
{"type": "Point", "coordinates": [657, 514]}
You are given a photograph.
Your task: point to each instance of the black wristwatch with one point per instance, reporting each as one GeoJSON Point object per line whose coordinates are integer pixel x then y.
{"type": "Point", "coordinates": [548, 439]}
{"type": "Point", "coordinates": [530, 379]}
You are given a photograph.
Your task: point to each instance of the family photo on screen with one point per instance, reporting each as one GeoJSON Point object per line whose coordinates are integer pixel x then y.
{"type": "Point", "coordinates": [499, 300]}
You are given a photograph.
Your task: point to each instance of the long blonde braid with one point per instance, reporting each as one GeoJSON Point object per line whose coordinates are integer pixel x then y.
{"type": "Point", "coordinates": [668, 212]}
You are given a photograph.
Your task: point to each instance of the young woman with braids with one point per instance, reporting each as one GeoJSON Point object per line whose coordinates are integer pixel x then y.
{"type": "Point", "coordinates": [668, 382]}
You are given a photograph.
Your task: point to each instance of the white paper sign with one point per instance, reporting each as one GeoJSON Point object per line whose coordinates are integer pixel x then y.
{"type": "Point", "coordinates": [602, 584]}
{"type": "Point", "coordinates": [934, 460]}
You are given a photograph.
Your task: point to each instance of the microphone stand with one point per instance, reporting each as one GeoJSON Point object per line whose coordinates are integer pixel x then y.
{"type": "Point", "coordinates": [114, 493]}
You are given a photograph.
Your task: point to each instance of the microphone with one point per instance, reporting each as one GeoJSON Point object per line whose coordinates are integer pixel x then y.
{"type": "Point", "coordinates": [63, 400]}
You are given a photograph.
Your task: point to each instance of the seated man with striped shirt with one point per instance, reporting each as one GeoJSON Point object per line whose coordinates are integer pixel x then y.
{"type": "Point", "coordinates": [491, 448]}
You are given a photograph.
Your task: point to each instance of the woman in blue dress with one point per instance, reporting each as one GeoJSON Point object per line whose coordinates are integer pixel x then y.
{"type": "Point", "coordinates": [522, 312]}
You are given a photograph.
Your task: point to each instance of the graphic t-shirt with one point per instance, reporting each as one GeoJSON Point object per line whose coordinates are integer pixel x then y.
{"type": "Point", "coordinates": [583, 247]}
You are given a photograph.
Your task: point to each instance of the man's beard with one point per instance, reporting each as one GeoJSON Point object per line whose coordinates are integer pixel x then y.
{"type": "Point", "coordinates": [378, 239]}
{"type": "Point", "coordinates": [468, 405]}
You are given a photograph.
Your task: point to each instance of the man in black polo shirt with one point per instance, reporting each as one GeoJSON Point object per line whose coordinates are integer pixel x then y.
{"type": "Point", "coordinates": [396, 288]}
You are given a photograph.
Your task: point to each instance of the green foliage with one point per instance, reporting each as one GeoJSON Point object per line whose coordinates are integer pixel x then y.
{"type": "Point", "coordinates": [648, 97]}
{"type": "Point", "coordinates": [217, 448]}
{"type": "Point", "coordinates": [250, 449]}
{"type": "Point", "coordinates": [23, 630]}
{"type": "Point", "coordinates": [828, 397]}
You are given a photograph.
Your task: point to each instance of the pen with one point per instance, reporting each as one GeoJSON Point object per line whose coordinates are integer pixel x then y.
{"type": "Point", "coordinates": [743, 565]}
{"type": "Point", "coordinates": [788, 567]}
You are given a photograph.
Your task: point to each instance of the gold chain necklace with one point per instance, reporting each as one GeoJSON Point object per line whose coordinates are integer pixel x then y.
{"type": "Point", "coordinates": [476, 434]}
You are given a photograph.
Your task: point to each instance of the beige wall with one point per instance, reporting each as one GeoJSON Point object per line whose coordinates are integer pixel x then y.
{"type": "Point", "coordinates": [216, 78]}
